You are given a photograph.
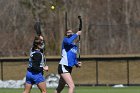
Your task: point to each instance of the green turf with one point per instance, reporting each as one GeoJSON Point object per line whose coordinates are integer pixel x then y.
{"type": "Point", "coordinates": [81, 90]}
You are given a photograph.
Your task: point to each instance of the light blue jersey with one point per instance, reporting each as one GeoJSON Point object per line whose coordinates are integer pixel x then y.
{"type": "Point", "coordinates": [69, 51]}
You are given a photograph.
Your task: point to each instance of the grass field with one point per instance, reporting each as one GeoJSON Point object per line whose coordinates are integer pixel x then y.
{"type": "Point", "coordinates": [81, 90]}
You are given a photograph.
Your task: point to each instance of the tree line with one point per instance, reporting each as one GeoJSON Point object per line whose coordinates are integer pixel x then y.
{"type": "Point", "coordinates": [109, 26]}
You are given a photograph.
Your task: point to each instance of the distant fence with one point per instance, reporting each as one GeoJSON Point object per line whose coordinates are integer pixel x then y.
{"type": "Point", "coordinates": [97, 59]}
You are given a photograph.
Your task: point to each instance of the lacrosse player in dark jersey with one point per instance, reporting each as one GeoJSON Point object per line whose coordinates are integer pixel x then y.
{"type": "Point", "coordinates": [36, 67]}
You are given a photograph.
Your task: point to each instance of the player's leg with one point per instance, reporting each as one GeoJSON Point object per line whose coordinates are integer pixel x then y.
{"type": "Point", "coordinates": [29, 83]}
{"type": "Point", "coordinates": [42, 87]}
{"type": "Point", "coordinates": [40, 82]}
{"type": "Point", "coordinates": [68, 79]}
{"type": "Point", "coordinates": [27, 88]}
{"type": "Point", "coordinates": [61, 85]}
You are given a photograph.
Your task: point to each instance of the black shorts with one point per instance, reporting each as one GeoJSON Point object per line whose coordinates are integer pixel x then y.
{"type": "Point", "coordinates": [64, 69]}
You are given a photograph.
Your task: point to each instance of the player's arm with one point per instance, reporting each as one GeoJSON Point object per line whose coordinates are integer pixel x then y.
{"type": "Point", "coordinates": [71, 39]}
{"type": "Point", "coordinates": [46, 68]}
{"type": "Point", "coordinates": [79, 64]}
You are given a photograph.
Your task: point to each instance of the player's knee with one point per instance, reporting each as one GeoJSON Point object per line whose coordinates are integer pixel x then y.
{"type": "Point", "coordinates": [72, 86]}
{"type": "Point", "coordinates": [44, 91]}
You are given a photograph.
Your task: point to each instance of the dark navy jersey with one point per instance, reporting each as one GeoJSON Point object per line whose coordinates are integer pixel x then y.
{"type": "Point", "coordinates": [36, 61]}
{"type": "Point", "coordinates": [69, 51]}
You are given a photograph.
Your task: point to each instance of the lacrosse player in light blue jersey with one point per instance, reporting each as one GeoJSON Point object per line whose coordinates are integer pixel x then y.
{"type": "Point", "coordinates": [68, 60]}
